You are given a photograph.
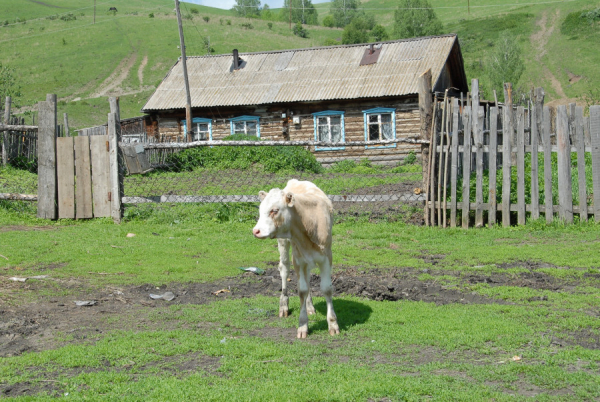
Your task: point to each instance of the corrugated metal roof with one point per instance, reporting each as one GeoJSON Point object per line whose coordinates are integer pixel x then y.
{"type": "Point", "coordinates": [315, 74]}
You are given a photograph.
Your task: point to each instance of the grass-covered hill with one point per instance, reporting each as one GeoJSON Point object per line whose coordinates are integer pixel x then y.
{"type": "Point", "coordinates": [55, 46]}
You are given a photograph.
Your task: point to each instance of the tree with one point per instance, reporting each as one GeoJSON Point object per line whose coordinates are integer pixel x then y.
{"type": "Point", "coordinates": [343, 11]}
{"type": "Point", "coordinates": [8, 87]}
{"type": "Point", "coordinates": [303, 11]}
{"type": "Point", "coordinates": [247, 8]}
{"type": "Point", "coordinates": [379, 33]}
{"type": "Point", "coordinates": [328, 21]}
{"type": "Point", "coordinates": [505, 62]}
{"type": "Point", "coordinates": [300, 31]}
{"type": "Point", "coordinates": [415, 18]}
{"type": "Point", "coordinates": [356, 32]}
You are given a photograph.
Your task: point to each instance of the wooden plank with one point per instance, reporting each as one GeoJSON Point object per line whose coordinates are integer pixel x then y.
{"type": "Point", "coordinates": [5, 134]}
{"type": "Point", "coordinates": [466, 166]}
{"type": "Point", "coordinates": [100, 175]}
{"type": "Point", "coordinates": [432, 175]}
{"type": "Point", "coordinates": [83, 178]}
{"type": "Point", "coordinates": [595, 141]}
{"type": "Point", "coordinates": [47, 193]}
{"type": "Point", "coordinates": [492, 171]}
{"type": "Point", "coordinates": [116, 177]}
{"type": "Point", "coordinates": [565, 187]}
{"type": "Point", "coordinates": [454, 162]}
{"type": "Point", "coordinates": [65, 172]}
{"type": "Point", "coordinates": [520, 165]}
{"type": "Point", "coordinates": [580, 144]}
{"type": "Point", "coordinates": [478, 136]}
{"type": "Point", "coordinates": [425, 114]}
{"type": "Point", "coordinates": [506, 164]}
{"type": "Point", "coordinates": [441, 158]}
{"type": "Point", "coordinates": [536, 129]}
{"type": "Point", "coordinates": [446, 162]}
{"type": "Point", "coordinates": [547, 143]}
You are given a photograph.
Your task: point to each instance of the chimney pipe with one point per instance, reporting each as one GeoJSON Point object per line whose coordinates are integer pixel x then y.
{"type": "Point", "coordinates": [236, 60]}
{"type": "Point", "coordinates": [371, 48]}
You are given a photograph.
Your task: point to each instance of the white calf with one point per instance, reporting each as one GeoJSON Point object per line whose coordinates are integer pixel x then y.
{"type": "Point", "coordinates": [300, 215]}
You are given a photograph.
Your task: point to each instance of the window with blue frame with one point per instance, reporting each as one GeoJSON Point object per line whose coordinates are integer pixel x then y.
{"type": "Point", "coordinates": [249, 125]}
{"type": "Point", "coordinates": [380, 125]}
{"type": "Point", "coordinates": [201, 129]}
{"type": "Point", "coordinates": [329, 127]}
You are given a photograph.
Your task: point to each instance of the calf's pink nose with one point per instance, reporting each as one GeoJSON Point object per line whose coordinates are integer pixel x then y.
{"type": "Point", "coordinates": [256, 231]}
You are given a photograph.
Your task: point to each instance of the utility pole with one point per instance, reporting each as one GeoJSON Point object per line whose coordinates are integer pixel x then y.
{"type": "Point", "coordinates": [188, 104]}
{"type": "Point", "coordinates": [290, 14]}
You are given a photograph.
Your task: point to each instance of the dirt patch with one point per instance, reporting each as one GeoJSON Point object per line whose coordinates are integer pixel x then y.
{"type": "Point", "coordinates": [112, 83]}
{"type": "Point", "coordinates": [53, 321]}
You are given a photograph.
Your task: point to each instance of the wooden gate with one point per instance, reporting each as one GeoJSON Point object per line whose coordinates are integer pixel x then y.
{"type": "Point", "coordinates": [83, 177]}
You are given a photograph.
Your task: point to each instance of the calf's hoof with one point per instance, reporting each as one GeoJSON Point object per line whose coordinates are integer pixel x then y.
{"type": "Point", "coordinates": [334, 329]}
{"type": "Point", "coordinates": [283, 306]}
{"type": "Point", "coordinates": [283, 312]}
{"type": "Point", "coordinates": [302, 332]}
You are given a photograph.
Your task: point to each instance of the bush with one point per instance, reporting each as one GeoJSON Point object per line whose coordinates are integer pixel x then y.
{"type": "Point", "coordinates": [330, 42]}
{"type": "Point", "coordinates": [300, 31]}
{"type": "Point", "coordinates": [228, 22]}
{"type": "Point", "coordinates": [328, 21]}
{"type": "Point", "coordinates": [21, 162]}
{"type": "Point", "coordinates": [194, 10]}
{"type": "Point", "coordinates": [270, 25]}
{"type": "Point", "coordinates": [206, 18]}
{"type": "Point", "coordinates": [151, 15]}
{"type": "Point", "coordinates": [68, 17]}
{"type": "Point", "coordinates": [270, 159]}
{"type": "Point", "coordinates": [246, 25]}
{"type": "Point", "coordinates": [580, 23]}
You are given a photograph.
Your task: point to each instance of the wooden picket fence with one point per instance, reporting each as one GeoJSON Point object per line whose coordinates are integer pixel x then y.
{"type": "Point", "coordinates": [475, 144]}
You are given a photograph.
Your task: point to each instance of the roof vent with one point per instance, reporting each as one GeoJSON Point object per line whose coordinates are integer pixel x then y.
{"type": "Point", "coordinates": [371, 55]}
{"type": "Point", "coordinates": [238, 63]}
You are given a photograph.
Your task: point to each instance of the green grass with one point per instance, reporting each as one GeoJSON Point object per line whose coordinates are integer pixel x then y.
{"type": "Point", "coordinates": [238, 349]}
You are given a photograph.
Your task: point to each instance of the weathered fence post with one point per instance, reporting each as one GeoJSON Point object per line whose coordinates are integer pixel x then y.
{"type": "Point", "coordinates": [520, 165]}
{"type": "Point", "coordinates": [115, 171]}
{"type": "Point", "coordinates": [492, 172]}
{"type": "Point", "coordinates": [595, 141]}
{"type": "Point", "coordinates": [426, 115]}
{"type": "Point", "coordinates": [507, 135]}
{"type": "Point", "coordinates": [565, 187]}
{"type": "Point", "coordinates": [467, 118]}
{"type": "Point", "coordinates": [454, 163]}
{"type": "Point", "coordinates": [4, 133]}
{"type": "Point", "coordinates": [477, 127]}
{"type": "Point", "coordinates": [536, 129]}
{"type": "Point", "coordinates": [580, 145]}
{"type": "Point", "coordinates": [548, 211]}
{"type": "Point", "coordinates": [47, 190]}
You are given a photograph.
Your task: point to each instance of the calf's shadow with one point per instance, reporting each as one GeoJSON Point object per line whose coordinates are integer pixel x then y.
{"type": "Point", "coordinates": [349, 313]}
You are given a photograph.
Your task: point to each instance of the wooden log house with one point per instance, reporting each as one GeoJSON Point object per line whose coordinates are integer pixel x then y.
{"type": "Point", "coordinates": [340, 93]}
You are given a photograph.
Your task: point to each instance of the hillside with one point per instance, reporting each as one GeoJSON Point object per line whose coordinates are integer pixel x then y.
{"type": "Point", "coordinates": [55, 46]}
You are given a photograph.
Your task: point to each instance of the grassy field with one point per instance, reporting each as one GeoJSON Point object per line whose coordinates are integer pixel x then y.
{"type": "Point", "coordinates": [128, 54]}
{"type": "Point", "coordinates": [425, 314]}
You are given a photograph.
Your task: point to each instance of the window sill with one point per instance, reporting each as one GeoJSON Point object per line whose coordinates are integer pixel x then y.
{"type": "Point", "coordinates": [330, 148]}
{"type": "Point", "coordinates": [380, 146]}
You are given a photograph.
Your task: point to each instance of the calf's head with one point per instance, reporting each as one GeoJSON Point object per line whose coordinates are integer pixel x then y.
{"type": "Point", "coordinates": [275, 215]}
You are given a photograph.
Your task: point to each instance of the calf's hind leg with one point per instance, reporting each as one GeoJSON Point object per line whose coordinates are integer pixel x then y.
{"type": "Point", "coordinates": [327, 289]}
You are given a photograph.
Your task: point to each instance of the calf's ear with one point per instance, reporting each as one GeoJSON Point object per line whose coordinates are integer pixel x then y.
{"type": "Point", "coordinates": [288, 198]}
{"type": "Point", "coordinates": [262, 195]}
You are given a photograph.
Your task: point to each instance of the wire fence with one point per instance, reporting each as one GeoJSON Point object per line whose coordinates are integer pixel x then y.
{"type": "Point", "coordinates": [224, 178]}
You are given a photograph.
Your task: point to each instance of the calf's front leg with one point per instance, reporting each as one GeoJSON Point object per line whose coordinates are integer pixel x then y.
{"type": "Point", "coordinates": [284, 269]}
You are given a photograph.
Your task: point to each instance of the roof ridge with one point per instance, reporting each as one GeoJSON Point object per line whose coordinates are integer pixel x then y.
{"type": "Point", "coordinates": [419, 38]}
